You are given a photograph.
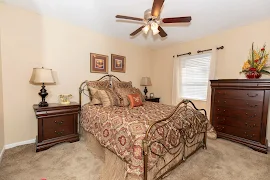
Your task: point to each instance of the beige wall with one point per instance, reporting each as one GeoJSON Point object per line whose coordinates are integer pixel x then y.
{"type": "Point", "coordinates": [30, 40]}
{"type": "Point", "coordinates": [2, 138]}
{"type": "Point", "coordinates": [237, 43]}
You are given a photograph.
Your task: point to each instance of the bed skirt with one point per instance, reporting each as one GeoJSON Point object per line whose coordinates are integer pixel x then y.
{"type": "Point", "coordinates": [114, 168]}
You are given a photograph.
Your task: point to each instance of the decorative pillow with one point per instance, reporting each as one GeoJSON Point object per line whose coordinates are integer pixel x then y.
{"type": "Point", "coordinates": [135, 100]}
{"type": "Point", "coordinates": [108, 97]}
{"type": "Point", "coordinates": [122, 84]}
{"type": "Point", "coordinates": [123, 92]}
{"type": "Point", "coordinates": [93, 87]}
{"type": "Point", "coordinates": [94, 96]}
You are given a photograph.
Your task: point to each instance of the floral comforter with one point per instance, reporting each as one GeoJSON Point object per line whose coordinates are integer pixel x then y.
{"type": "Point", "coordinates": [122, 129]}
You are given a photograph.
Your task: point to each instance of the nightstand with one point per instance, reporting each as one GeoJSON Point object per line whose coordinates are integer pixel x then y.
{"type": "Point", "coordinates": [155, 99]}
{"type": "Point", "coordinates": [57, 123]}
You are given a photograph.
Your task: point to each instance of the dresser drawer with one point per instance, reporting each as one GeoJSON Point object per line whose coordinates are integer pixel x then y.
{"type": "Point", "coordinates": [245, 114]}
{"type": "Point", "coordinates": [57, 132]}
{"type": "Point", "coordinates": [240, 94]}
{"type": "Point", "coordinates": [58, 121]}
{"type": "Point", "coordinates": [247, 134]}
{"type": "Point", "coordinates": [240, 123]}
{"type": "Point", "coordinates": [240, 103]}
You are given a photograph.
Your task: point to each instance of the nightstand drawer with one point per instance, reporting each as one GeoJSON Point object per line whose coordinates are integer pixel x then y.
{"type": "Point", "coordinates": [59, 121]}
{"type": "Point", "coordinates": [57, 132]}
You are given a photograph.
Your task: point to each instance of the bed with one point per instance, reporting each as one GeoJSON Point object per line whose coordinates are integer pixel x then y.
{"type": "Point", "coordinates": [145, 142]}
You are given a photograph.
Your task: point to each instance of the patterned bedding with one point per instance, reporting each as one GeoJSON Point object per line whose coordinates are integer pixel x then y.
{"type": "Point", "coordinates": [122, 129]}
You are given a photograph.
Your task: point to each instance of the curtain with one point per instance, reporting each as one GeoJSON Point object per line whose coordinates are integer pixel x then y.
{"type": "Point", "coordinates": [176, 81]}
{"type": "Point", "coordinates": [212, 74]}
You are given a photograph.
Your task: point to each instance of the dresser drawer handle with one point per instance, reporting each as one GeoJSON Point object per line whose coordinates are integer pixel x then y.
{"type": "Point", "coordinates": [252, 95]}
{"type": "Point", "coordinates": [253, 106]}
{"type": "Point", "coordinates": [56, 122]}
{"type": "Point", "coordinates": [250, 126]}
{"type": "Point", "coordinates": [59, 133]}
{"type": "Point", "coordinates": [252, 116]}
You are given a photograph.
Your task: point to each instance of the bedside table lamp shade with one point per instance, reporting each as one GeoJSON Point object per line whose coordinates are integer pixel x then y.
{"type": "Point", "coordinates": [146, 81]}
{"type": "Point", "coordinates": [42, 76]}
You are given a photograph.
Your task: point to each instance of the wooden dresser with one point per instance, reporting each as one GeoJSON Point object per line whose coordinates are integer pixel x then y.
{"type": "Point", "coordinates": [56, 124]}
{"type": "Point", "coordinates": [239, 111]}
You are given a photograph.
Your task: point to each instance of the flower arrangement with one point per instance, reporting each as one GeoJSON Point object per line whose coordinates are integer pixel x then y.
{"type": "Point", "coordinates": [256, 65]}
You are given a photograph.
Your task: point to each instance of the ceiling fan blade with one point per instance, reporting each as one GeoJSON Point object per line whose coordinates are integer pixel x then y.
{"type": "Point", "coordinates": [156, 8]}
{"type": "Point", "coordinates": [162, 33]}
{"type": "Point", "coordinates": [128, 17]}
{"type": "Point", "coordinates": [177, 19]}
{"type": "Point", "coordinates": [137, 31]}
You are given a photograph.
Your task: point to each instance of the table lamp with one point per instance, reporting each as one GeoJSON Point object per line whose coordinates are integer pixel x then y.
{"type": "Point", "coordinates": [42, 76]}
{"type": "Point", "coordinates": [146, 81]}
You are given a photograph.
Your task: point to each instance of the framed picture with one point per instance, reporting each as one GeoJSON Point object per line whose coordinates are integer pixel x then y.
{"type": "Point", "coordinates": [98, 63]}
{"type": "Point", "coordinates": [151, 95]}
{"type": "Point", "coordinates": [118, 63]}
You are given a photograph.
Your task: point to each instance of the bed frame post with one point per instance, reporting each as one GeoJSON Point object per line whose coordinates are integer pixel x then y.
{"type": "Point", "coordinates": [145, 158]}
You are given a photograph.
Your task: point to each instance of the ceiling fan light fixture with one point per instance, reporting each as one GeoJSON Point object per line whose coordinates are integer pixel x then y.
{"type": "Point", "coordinates": [146, 29]}
{"type": "Point", "coordinates": [154, 26]}
{"type": "Point", "coordinates": [155, 31]}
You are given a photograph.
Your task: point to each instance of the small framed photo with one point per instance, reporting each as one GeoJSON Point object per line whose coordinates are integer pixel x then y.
{"type": "Point", "coordinates": [118, 63]}
{"type": "Point", "coordinates": [98, 63]}
{"type": "Point", "coordinates": [151, 95]}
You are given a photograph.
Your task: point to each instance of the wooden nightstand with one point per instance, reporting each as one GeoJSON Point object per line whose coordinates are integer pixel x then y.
{"type": "Point", "coordinates": [155, 99]}
{"type": "Point", "coordinates": [56, 124]}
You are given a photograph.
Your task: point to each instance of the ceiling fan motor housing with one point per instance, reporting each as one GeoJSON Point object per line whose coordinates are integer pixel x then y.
{"type": "Point", "coordinates": [148, 16]}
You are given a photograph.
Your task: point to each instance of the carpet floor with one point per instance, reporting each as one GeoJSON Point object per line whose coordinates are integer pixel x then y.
{"type": "Point", "coordinates": [223, 160]}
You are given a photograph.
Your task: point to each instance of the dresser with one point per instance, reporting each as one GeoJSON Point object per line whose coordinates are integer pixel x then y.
{"type": "Point", "coordinates": [239, 110]}
{"type": "Point", "coordinates": [56, 124]}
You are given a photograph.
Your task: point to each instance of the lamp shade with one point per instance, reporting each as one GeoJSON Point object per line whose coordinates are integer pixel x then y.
{"type": "Point", "coordinates": [42, 75]}
{"type": "Point", "coordinates": [146, 81]}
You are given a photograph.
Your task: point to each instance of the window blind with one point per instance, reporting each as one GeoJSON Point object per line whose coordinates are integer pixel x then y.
{"type": "Point", "coordinates": [194, 77]}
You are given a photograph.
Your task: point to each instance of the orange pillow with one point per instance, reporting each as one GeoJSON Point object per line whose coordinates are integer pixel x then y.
{"type": "Point", "coordinates": [135, 100]}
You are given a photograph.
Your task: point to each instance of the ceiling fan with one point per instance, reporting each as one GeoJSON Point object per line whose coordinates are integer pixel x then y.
{"type": "Point", "coordinates": [152, 20]}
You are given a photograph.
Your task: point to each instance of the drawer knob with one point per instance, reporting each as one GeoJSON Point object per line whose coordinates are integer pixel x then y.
{"type": "Point", "coordinates": [225, 101]}
{"type": "Point", "coordinates": [255, 95]}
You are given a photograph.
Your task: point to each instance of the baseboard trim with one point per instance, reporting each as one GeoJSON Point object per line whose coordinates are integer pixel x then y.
{"type": "Point", "coordinates": [31, 141]}
{"type": "Point", "coordinates": [2, 153]}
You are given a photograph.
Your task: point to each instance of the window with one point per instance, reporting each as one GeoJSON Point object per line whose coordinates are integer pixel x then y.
{"type": "Point", "coordinates": [194, 77]}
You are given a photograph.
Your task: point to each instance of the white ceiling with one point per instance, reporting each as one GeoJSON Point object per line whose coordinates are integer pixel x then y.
{"type": "Point", "coordinates": [208, 16]}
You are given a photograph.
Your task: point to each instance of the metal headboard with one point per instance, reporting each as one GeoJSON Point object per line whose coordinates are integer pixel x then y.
{"type": "Point", "coordinates": [83, 87]}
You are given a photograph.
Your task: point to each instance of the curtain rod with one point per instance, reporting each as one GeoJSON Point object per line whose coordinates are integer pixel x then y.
{"type": "Point", "coordinates": [178, 55]}
{"type": "Point", "coordinates": [218, 48]}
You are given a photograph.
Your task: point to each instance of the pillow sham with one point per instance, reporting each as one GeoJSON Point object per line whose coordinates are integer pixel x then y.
{"type": "Point", "coordinates": [123, 92]}
{"type": "Point", "coordinates": [135, 100]}
{"type": "Point", "coordinates": [122, 84]}
{"type": "Point", "coordinates": [93, 87]}
{"type": "Point", "coordinates": [108, 98]}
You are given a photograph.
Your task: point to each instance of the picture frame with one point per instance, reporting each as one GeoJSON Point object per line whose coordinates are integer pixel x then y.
{"type": "Point", "coordinates": [98, 63]}
{"type": "Point", "coordinates": [151, 95]}
{"type": "Point", "coordinates": [118, 63]}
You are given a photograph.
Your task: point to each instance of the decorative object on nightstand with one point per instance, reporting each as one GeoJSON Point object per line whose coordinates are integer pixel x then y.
{"type": "Point", "coordinates": [56, 124]}
{"type": "Point", "coordinates": [64, 98]}
{"type": "Point", "coordinates": [42, 76]}
{"type": "Point", "coordinates": [146, 81]}
{"type": "Point", "coordinates": [151, 95]}
{"type": "Point", "coordinates": [154, 99]}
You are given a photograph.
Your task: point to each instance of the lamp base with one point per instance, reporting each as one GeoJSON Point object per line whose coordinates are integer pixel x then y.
{"type": "Point", "coordinates": [43, 104]}
{"type": "Point", "coordinates": [43, 93]}
{"type": "Point", "coordinates": [145, 91]}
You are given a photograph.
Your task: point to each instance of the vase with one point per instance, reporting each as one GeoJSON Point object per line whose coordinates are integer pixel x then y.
{"type": "Point", "coordinates": [253, 75]}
